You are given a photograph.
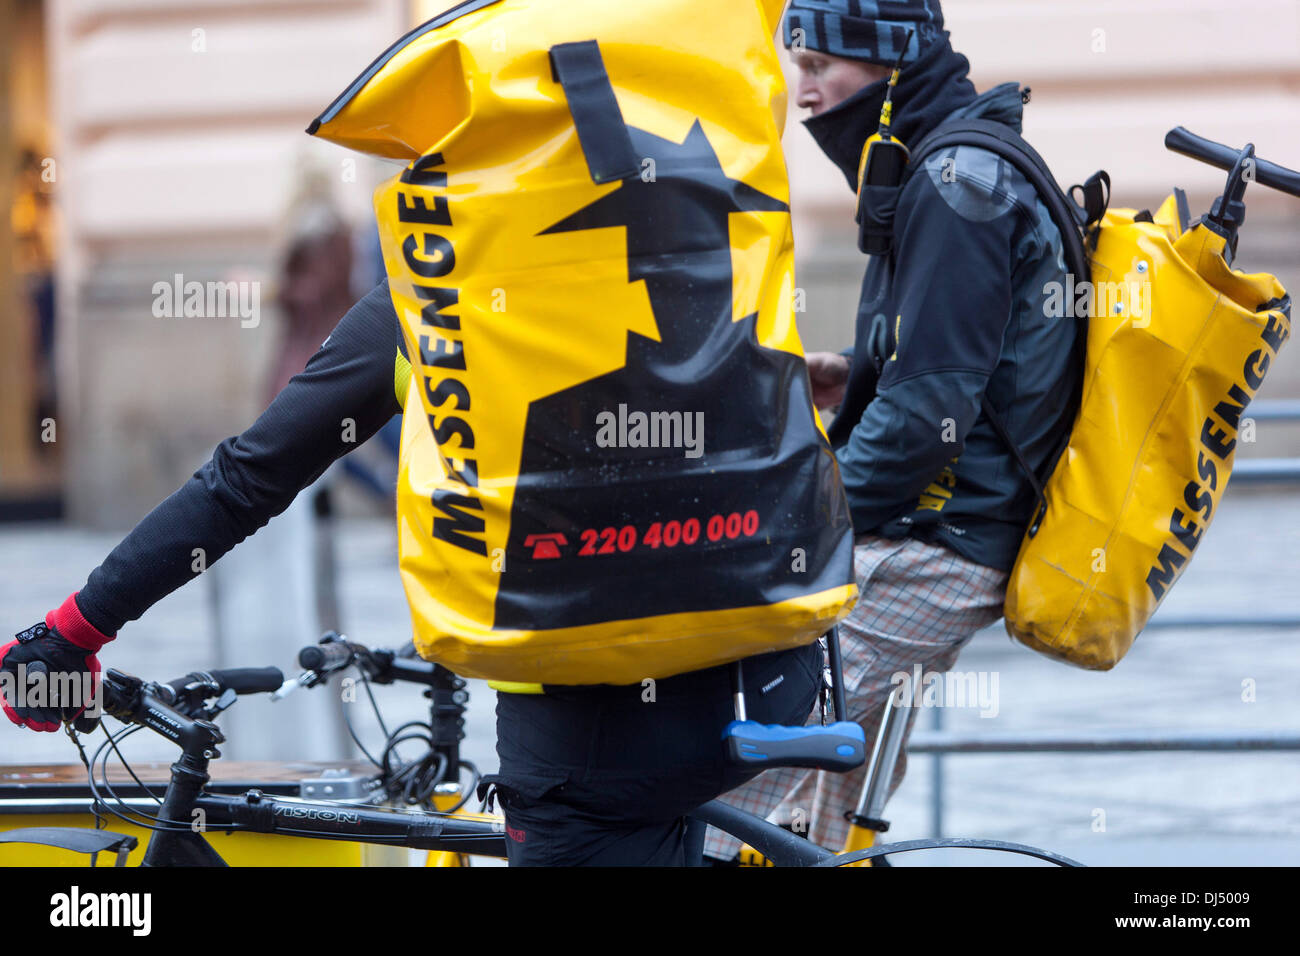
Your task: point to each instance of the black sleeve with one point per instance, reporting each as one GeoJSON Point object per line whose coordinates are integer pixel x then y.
{"type": "Point", "coordinates": [952, 296]}
{"type": "Point", "coordinates": [343, 396]}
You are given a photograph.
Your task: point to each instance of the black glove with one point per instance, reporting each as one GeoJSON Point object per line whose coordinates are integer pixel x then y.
{"type": "Point", "coordinates": [46, 678]}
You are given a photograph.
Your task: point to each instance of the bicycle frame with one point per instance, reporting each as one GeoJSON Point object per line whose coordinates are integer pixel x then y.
{"type": "Point", "coordinates": [189, 811]}
{"type": "Point", "coordinates": [319, 820]}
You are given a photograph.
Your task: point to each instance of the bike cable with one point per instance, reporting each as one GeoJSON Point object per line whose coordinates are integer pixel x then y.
{"type": "Point", "coordinates": [145, 821]}
{"type": "Point", "coordinates": [75, 737]}
{"type": "Point", "coordinates": [352, 731]}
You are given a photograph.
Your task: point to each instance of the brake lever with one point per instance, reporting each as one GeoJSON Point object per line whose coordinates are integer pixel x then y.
{"type": "Point", "coordinates": [306, 679]}
{"type": "Point", "coordinates": [83, 724]}
{"type": "Point", "coordinates": [227, 698]}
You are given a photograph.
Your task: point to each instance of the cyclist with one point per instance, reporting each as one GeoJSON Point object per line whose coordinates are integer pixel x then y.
{"type": "Point", "coordinates": [953, 313]}
{"type": "Point", "coordinates": [594, 774]}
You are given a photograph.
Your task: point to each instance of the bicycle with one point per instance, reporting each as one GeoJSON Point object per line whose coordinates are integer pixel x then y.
{"type": "Point", "coordinates": [183, 710]}
{"type": "Point", "coordinates": [190, 810]}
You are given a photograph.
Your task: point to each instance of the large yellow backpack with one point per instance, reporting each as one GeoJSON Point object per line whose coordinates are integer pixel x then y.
{"type": "Point", "coordinates": [1175, 344]}
{"type": "Point", "coordinates": [1177, 348]}
{"type": "Point", "coordinates": [611, 468]}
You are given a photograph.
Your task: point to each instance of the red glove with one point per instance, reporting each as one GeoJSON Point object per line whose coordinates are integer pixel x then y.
{"type": "Point", "coordinates": [50, 661]}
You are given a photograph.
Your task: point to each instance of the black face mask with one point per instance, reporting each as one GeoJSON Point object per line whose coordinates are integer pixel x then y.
{"type": "Point", "coordinates": [843, 129]}
{"type": "Point", "coordinates": [928, 90]}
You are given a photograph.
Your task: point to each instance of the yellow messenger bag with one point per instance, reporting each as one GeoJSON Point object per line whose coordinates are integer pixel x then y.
{"type": "Point", "coordinates": [1174, 344]}
{"type": "Point", "coordinates": [610, 467]}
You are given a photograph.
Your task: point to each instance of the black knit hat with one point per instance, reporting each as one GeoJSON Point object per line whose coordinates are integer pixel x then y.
{"type": "Point", "coordinates": [871, 30]}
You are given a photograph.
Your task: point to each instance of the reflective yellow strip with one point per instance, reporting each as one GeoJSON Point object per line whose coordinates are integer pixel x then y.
{"type": "Point", "coordinates": [515, 687]}
{"type": "Point", "coordinates": [401, 378]}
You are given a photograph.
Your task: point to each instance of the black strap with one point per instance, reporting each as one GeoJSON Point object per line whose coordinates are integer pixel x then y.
{"type": "Point", "coordinates": [1095, 193]}
{"type": "Point", "coordinates": [606, 143]}
{"type": "Point", "coordinates": [1040, 493]}
{"type": "Point", "coordinates": [1077, 222]}
{"type": "Point", "coordinates": [998, 138]}
{"type": "Point", "coordinates": [1184, 211]}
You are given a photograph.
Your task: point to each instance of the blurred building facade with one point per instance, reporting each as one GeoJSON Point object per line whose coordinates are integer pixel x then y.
{"type": "Point", "coordinates": [176, 127]}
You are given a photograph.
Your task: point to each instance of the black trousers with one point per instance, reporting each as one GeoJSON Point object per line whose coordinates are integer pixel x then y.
{"type": "Point", "coordinates": [605, 775]}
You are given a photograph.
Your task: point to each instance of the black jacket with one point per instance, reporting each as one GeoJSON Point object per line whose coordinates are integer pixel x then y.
{"type": "Point", "coordinates": [960, 305]}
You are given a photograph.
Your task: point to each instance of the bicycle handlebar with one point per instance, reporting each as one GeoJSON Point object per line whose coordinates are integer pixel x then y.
{"type": "Point", "coordinates": [1183, 141]}
{"type": "Point", "coordinates": [325, 658]}
{"type": "Point", "coordinates": [242, 680]}
{"type": "Point", "coordinates": [383, 666]}
{"type": "Point", "coordinates": [174, 708]}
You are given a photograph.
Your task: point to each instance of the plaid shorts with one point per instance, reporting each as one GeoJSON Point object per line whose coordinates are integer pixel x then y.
{"type": "Point", "coordinates": [918, 604]}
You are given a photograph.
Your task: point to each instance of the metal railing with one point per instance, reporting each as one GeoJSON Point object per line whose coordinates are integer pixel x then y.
{"type": "Point", "coordinates": [1101, 742]}
{"type": "Point", "coordinates": [1265, 470]}
{"type": "Point", "coordinates": [936, 742]}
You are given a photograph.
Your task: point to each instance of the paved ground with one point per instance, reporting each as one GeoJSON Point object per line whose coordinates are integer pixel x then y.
{"type": "Point", "coordinates": [1187, 809]}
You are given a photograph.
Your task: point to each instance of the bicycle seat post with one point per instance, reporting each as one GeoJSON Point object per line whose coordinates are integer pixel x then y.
{"type": "Point", "coordinates": [880, 769]}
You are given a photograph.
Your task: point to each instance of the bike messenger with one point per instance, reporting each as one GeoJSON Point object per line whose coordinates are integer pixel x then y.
{"type": "Point", "coordinates": [588, 775]}
{"type": "Point", "coordinates": [939, 504]}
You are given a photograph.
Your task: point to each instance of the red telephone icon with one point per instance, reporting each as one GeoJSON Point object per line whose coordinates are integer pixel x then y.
{"type": "Point", "coordinates": [545, 545]}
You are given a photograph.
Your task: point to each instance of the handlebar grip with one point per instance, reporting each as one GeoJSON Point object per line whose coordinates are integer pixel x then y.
{"type": "Point", "coordinates": [1181, 140]}
{"type": "Point", "coordinates": [324, 658]}
{"type": "Point", "coordinates": [242, 680]}
{"type": "Point", "coordinates": [250, 680]}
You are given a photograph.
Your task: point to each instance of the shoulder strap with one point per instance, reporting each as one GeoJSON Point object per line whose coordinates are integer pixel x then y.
{"type": "Point", "coordinates": [1071, 218]}
{"type": "Point", "coordinates": [1040, 493]}
{"type": "Point", "coordinates": [1077, 222]}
